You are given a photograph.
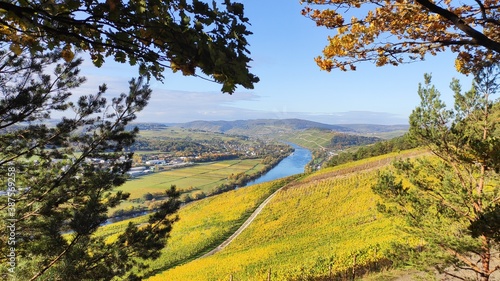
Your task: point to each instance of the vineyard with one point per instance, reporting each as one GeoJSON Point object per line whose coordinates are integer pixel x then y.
{"type": "Point", "coordinates": [203, 224]}
{"type": "Point", "coordinates": [365, 164]}
{"type": "Point", "coordinates": [311, 138]}
{"type": "Point", "coordinates": [322, 226]}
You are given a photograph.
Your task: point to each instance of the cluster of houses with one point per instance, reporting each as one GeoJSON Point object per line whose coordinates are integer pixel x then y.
{"type": "Point", "coordinates": [139, 171]}
{"type": "Point", "coordinates": [151, 166]}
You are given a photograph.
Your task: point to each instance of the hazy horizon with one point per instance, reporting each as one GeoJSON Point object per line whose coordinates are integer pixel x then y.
{"type": "Point", "coordinates": [290, 118]}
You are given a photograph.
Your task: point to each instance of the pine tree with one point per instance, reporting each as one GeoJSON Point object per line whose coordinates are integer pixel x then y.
{"type": "Point", "coordinates": [59, 176]}
{"type": "Point", "coordinates": [452, 200]}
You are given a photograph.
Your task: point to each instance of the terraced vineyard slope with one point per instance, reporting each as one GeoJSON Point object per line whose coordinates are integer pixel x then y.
{"type": "Point", "coordinates": [203, 224]}
{"type": "Point", "coordinates": [323, 225]}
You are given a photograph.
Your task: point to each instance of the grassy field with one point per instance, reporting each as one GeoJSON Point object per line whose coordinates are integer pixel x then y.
{"type": "Point", "coordinates": [324, 224]}
{"type": "Point", "coordinates": [202, 177]}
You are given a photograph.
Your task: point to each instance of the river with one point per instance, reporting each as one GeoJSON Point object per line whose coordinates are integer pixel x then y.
{"type": "Point", "coordinates": [291, 165]}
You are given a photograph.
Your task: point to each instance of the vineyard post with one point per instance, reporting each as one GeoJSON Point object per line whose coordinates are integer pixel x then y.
{"type": "Point", "coordinates": [330, 271]}
{"type": "Point", "coordinates": [231, 277]}
{"type": "Point", "coordinates": [269, 275]}
{"type": "Point", "coordinates": [354, 268]}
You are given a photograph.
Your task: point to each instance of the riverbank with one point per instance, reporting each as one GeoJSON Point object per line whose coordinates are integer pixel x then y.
{"type": "Point", "coordinates": [294, 164]}
{"type": "Point", "coordinates": [284, 166]}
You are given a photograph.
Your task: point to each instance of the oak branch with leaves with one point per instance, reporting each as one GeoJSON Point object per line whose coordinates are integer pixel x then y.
{"type": "Point", "coordinates": [185, 36]}
{"type": "Point", "coordinates": [392, 32]}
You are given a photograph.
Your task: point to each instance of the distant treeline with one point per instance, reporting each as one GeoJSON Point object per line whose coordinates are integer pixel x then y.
{"type": "Point", "coordinates": [379, 148]}
{"type": "Point", "coordinates": [214, 149]}
{"type": "Point", "coordinates": [209, 157]}
{"type": "Point", "coordinates": [241, 179]}
{"type": "Point", "coordinates": [167, 145]}
{"type": "Point", "coordinates": [341, 141]}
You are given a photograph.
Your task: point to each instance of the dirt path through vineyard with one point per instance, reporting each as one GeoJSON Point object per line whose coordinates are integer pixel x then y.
{"type": "Point", "coordinates": [339, 173]}
{"type": "Point", "coordinates": [244, 225]}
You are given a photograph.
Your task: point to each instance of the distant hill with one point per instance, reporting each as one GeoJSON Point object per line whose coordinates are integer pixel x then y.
{"type": "Point", "coordinates": [372, 128]}
{"type": "Point", "coordinates": [309, 134]}
{"type": "Point", "coordinates": [271, 126]}
{"type": "Point", "coordinates": [239, 125]}
{"type": "Point", "coordinates": [147, 126]}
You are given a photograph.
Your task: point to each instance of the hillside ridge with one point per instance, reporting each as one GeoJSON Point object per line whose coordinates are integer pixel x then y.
{"type": "Point", "coordinates": [262, 241]}
{"type": "Point", "coordinates": [343, 172]}
{"type": "Point", "coordinates": [294, 124]}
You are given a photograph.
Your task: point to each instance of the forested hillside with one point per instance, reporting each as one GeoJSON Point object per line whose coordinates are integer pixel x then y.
{"type": "Point", "coordinates": [268, 127]}
{"type": "Point", "coordinates": [378, 148]}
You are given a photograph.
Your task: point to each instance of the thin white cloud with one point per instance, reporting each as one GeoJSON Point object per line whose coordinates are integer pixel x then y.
{"type": "Point", "coordinates": [171, 106]}
{"type": "Point", "coordinates": [181, 106]}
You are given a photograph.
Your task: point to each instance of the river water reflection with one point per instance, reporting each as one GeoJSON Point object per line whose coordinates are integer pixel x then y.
{"type": "Point", "coordinates": [291, 165]}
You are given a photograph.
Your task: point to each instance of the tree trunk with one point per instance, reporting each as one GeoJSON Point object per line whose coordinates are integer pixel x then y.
{"type": "Point", "coordinates": [485, 241]}
{"type": "Point", "coordinates": [485, 258]}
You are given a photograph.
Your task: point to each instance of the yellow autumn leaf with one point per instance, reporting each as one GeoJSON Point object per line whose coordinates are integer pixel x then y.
{"type": "Point", "coordinates": [67, 54]}
{"type": "Point", "coordinates": [16, 49]}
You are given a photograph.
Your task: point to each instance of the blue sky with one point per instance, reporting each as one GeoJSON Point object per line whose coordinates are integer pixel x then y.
{"type": "Point", "coordinates": [283, 47]}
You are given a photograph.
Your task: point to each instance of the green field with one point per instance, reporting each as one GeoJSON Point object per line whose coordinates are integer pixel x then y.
{"type": "Point", "coordinates": [326, 222]}
{"type": "Point", "coordinates": [201, 177]}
